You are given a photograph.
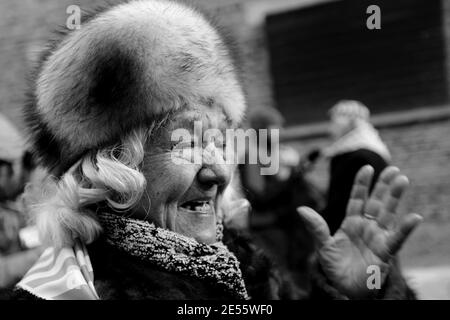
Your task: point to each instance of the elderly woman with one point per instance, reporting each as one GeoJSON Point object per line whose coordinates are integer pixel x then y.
{"type": "Point", "coordinates": [129, 208]}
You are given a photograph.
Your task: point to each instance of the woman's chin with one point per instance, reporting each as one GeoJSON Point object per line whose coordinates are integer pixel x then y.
{"type": "Point", "coordinates": [200, 226]}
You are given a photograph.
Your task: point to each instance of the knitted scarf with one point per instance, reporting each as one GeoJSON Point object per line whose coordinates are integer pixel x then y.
{"type": "Point", "coordinates": [61, 274]}
{"type": "Point", "coordinates": [67, 273]}
{"type": "Point", "coordinates": [175, 253]}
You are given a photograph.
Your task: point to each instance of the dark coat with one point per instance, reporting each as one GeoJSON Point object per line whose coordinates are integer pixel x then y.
{"type": "Point", "coordinates": [119, 276]}
{"type": "Point", "coordinates": [343, 170]}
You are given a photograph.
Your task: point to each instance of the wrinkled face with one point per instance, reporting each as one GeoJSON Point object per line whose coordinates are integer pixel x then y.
{"type": "Point", "coordinates": [183, 195]}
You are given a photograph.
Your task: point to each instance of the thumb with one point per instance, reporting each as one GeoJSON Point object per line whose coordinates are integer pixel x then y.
{"type": "Point", "coordinates": [315, 224]}
{"type": "Point", "coordinates": [406, 226]}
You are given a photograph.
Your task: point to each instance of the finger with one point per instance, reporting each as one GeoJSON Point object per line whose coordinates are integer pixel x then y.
{"type": "Point", "coordinates": [373, 208]}
{"type": "Point", "coordinates": [374, 205]}
{"type": "Point", "coordinates": [315, 224]}
{"type": "Point", "coordinates": [398, 237]}
{"type": "Point", "coordinates": [397, 189]}
{"type": "Point", "coordinates": [360, 190]}
{"type": "Point", "coordinates": [382, 186]}
{"type": "Point", "coordinates": [362, 182]}
{"type": "Point", "coordinates": [355, 207]}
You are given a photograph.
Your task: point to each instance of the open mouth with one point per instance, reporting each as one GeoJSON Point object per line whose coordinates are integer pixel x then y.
{"type": "Point", "coordinates": [198, 206]}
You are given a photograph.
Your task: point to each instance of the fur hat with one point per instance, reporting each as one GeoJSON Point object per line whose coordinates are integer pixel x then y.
{"type": "Point", "coordinates": [126, 66]}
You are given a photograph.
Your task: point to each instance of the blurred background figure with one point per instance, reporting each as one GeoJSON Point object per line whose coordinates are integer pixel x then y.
{"type": "Point", "coordinates": [356, 143]}
{"type": "Point", "coordinates": [19, 246]}
{"type": "Point", "coordinates": [15, 167]}
{"type": "Point", "coordinates": [273, 196]}
{"type": "Point", "coordinates": [15, 162]}
{"type": "Point", "coordinates": [237, 208]}
{"type": "Point", "coordinates": [273, 219]}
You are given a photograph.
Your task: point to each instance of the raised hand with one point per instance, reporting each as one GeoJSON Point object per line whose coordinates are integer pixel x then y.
{"type": "Point", "coordinates": [370, 235]}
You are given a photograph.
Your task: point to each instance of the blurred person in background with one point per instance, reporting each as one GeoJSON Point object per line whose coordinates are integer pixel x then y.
{"type": "Point", "coordinates": [15, 162]}
{"type": "Point", "coordinates": [16, 169]}
{"type": "Point", "coordinates": [356, 143]}
{"type": "Point", "coordinates": [274, 221]}
{"type": "Point", "coordinates": [270, 195]}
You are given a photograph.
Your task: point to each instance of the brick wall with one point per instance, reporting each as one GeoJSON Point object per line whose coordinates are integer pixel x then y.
{"type": "Point", "coordinates": [250, 39]}
{"type": "Point", "coordinates": [423, 152]}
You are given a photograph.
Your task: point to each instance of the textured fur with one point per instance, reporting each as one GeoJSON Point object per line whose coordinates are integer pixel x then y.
{"type": "Point", "coordinates": [124, 67]}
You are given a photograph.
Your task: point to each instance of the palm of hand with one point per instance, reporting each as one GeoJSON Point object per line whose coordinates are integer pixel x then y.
{"type": "Point", "coordinates": [370, 235]}
{"type": "Point", "coordinates": [346, 259]}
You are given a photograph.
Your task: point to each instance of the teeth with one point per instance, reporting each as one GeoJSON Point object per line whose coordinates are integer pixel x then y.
{"type": "Point", "coordinates": [200, 206]}
{"type": "Point", "coordinates": [203, 208]}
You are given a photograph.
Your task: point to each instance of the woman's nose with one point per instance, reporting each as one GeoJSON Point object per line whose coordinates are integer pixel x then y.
{"type": "Point", "coordinates": [211, 175]}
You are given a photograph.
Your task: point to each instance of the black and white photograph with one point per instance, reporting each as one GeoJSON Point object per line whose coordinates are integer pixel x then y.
{"type": "Point", "coordinates": [236, 151]}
